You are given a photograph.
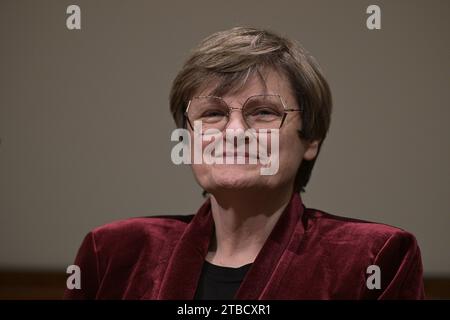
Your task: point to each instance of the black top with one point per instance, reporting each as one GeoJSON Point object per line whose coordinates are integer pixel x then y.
{"type": "Point", "coordinates": [219, 283]}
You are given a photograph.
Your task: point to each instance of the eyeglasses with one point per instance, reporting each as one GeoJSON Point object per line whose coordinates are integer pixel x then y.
{"type": "Point", "coordinates": [265, 111]}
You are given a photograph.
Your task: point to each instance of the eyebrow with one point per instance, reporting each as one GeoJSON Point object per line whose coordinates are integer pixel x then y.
{"type": "Point", "coordinates": [244, 100]}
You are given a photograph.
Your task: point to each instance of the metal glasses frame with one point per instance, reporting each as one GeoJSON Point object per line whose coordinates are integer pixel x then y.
{"type": "Point", "coordinates": [230, 109]}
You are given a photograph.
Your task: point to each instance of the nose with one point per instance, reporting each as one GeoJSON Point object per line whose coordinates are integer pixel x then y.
{"type": "Point", "coordinates": [237, 126]}
{"type": "Point", "coordinates": [236, 120]}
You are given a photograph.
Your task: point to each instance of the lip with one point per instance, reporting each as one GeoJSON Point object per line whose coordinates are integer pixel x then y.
{"type": "Point", "coordinates": [236, 154]}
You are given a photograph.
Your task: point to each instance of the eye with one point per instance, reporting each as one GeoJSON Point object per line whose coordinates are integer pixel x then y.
{"type": "Point", "coordinates": [264, 111]}
{"type": "Point", "coordinates": [213, 113]}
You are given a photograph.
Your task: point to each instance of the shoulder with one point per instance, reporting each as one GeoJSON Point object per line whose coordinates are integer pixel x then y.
{"type": "Point", "coordinates": [115, 250]}
{"type": "Point", "coordinates": [141, 229]}
{"type": "Point", "coordinates": [355, 245]}
{"type": "Point", "coordinates": [368, 234]}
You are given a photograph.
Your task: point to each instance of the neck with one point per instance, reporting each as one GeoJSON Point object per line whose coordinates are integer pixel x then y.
{"type": "Point", "coordinates": [243, 221]}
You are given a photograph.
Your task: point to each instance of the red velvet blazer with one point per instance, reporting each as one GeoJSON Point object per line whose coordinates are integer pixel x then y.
{"type": "Point", "coordinates": [308, 255]}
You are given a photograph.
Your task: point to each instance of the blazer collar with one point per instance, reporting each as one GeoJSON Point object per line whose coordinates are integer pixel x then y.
{"type": "Point", "coordinates": [186, 262]}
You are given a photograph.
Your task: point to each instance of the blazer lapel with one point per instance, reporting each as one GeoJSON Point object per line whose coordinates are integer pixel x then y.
{"type": "Point", "coordinates": [268, 266]}
{"type": "Point", "coordinates": [185, 265]}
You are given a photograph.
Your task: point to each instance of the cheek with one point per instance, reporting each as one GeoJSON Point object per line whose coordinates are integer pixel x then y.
{"type": "Point", "coordinates": [291, 154]}
{"type": "Point", "coordinates": [202, 173]}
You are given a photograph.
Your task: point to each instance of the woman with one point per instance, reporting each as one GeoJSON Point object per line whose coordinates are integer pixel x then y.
{"type": "Point", "coordinates": [253, 238]}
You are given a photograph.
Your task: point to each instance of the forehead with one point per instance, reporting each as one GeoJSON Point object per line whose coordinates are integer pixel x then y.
{"type": "Point", "coordinates": [266, 81]}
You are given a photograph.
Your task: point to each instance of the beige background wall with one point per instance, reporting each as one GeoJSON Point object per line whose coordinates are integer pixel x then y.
{"type": "Point", "coordinates": [85, 128]}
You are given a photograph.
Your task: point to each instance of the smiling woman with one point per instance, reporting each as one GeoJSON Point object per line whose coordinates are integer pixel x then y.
{"type": "Point", "coordinates": [253, 237]}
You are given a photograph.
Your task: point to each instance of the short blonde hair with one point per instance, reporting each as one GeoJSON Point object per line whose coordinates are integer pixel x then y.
{"type": "Point", "coordinates": [232, 55]}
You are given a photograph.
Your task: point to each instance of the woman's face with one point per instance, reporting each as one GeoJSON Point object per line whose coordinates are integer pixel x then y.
{"type": "Point", "coordinates": [219, 177]}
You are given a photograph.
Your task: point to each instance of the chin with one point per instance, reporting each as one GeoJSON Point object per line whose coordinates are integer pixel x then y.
{"type": "Point", "coordinates": [235, 177]}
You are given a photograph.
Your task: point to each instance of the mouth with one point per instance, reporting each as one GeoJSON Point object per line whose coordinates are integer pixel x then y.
{"type": "Point", "coordinates": [236, 154]}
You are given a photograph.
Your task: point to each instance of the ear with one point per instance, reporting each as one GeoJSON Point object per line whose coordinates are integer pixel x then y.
{"type": "Point", "coordinates": [311, 149]}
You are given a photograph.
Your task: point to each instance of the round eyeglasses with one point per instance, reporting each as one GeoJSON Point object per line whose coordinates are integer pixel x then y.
{"type": "Point", "coordinates": [265, 111]}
